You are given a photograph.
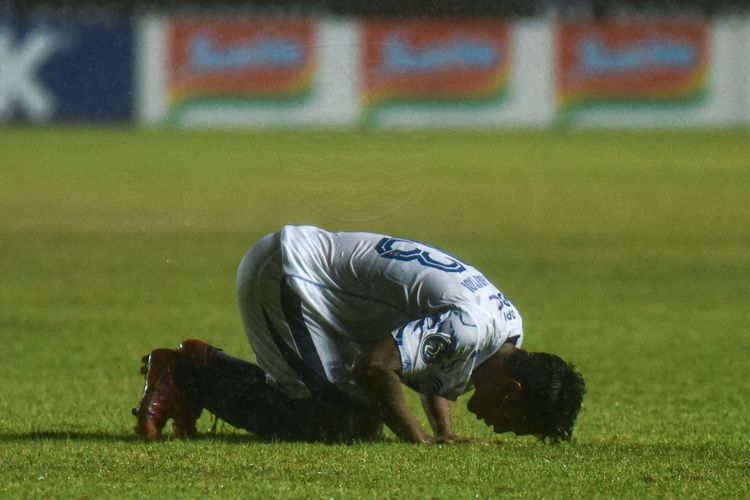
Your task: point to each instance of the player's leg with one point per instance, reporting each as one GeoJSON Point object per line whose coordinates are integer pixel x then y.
{"type": "Point", "coordinates": [181, 383]}
{"type": "Point", "coordinates": [337, 422]}
{"type": "Point", "coordinates": [320, 415]}
{"type": "Point", "coordinates": [237, 392]}
{"type": "Point", "coordinates": [259, 280]}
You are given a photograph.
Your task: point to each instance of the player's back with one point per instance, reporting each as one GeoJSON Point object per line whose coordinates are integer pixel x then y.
{"type": "Point", "coordinates": [363, 285]}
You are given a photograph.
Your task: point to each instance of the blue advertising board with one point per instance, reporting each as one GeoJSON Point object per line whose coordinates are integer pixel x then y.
{"type": "Point", "coordinates": [55, 70]}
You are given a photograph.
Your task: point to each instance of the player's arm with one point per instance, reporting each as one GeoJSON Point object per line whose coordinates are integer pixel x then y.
{"type": "Point", "coordinates": [438, 411]}
{"type": "Point", "coordinates": [378, 372]}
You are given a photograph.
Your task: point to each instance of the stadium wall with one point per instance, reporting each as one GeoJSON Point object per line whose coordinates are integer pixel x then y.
{"type": "Point", "coordinates": [203, 71]}
{"type": "Point", "coordinates": [445, 74]}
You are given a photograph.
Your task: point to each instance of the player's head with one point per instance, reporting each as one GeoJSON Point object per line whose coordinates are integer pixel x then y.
{"type": "Point", "coordinates": [528, 393]}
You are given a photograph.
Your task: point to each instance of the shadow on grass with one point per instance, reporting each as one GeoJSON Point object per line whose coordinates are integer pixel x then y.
{"type": "Point", "coordinates": [105, 437]}
{"type": "Point", "coordinates": [63, 435]}
{"type": "Point", "coordinates": [598, 450]}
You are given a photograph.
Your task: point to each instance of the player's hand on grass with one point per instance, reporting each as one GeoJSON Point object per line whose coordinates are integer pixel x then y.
{"type": "Point", "coordinates": [454, 439]}
{"type": "Point", "coordinates": [451, 439]}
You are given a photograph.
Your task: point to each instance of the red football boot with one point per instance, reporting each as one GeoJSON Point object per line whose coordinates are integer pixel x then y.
{"type": "Point", "coordinates": [163, 398]}
{"type": "Point", "coordinates": [198, 351]}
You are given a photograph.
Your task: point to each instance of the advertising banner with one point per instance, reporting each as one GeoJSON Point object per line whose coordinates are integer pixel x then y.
{"type": "Point", "coordinates": [203, 71]}
{"type": "Point", "coordinates": [250, 71]}
{"type": "Point", "coordinates": [221, 61]}
{"type": "Point", "coordinates": [65, 70]}
{"type": "Point", "coordinates": [658, 65]}
{"type": "Point", "coordinates": [434, 63]}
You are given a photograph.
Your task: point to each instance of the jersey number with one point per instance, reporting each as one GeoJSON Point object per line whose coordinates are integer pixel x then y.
{"type": "Point", "coordinates": [407, 250]}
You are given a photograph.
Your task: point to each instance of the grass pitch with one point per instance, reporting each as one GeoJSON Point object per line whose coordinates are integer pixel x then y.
{"type": "Point", "coordinates": [628, 254]}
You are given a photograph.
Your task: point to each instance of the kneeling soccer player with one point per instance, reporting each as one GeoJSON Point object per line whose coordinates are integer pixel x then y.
{"type": "Point", "coordinates": [337, 322]}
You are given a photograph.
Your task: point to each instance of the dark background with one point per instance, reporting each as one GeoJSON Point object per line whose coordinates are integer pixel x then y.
{"type": "Point", "coordinates": [601, 9]}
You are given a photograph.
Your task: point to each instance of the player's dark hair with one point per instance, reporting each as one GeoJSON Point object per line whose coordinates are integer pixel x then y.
{"type": "Point", "coordinates": [552, 392]}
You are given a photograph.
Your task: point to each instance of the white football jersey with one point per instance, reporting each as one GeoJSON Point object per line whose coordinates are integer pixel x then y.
{"type": "Point", "coordinates": [352, 289]}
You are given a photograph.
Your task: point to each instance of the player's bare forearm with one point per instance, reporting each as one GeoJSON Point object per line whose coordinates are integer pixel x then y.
{"type": "Point", "coordinates": [385, 389]}
{"type": "Point", "coordinates": [378, 374]}
{"type": "Point", "coordinates": [438, 411]}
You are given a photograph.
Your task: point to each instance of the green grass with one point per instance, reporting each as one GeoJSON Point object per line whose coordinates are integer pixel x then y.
{"type": "Point", "coordinates": [626, 253]}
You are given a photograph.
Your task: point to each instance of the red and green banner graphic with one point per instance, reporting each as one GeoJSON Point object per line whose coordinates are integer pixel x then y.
{"type": "Point", "coordinates": [435, 61]}
{"type": "Point", "coordinates": [239, 59]}
{"type": "Point", "coordinates": [640, 63]}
